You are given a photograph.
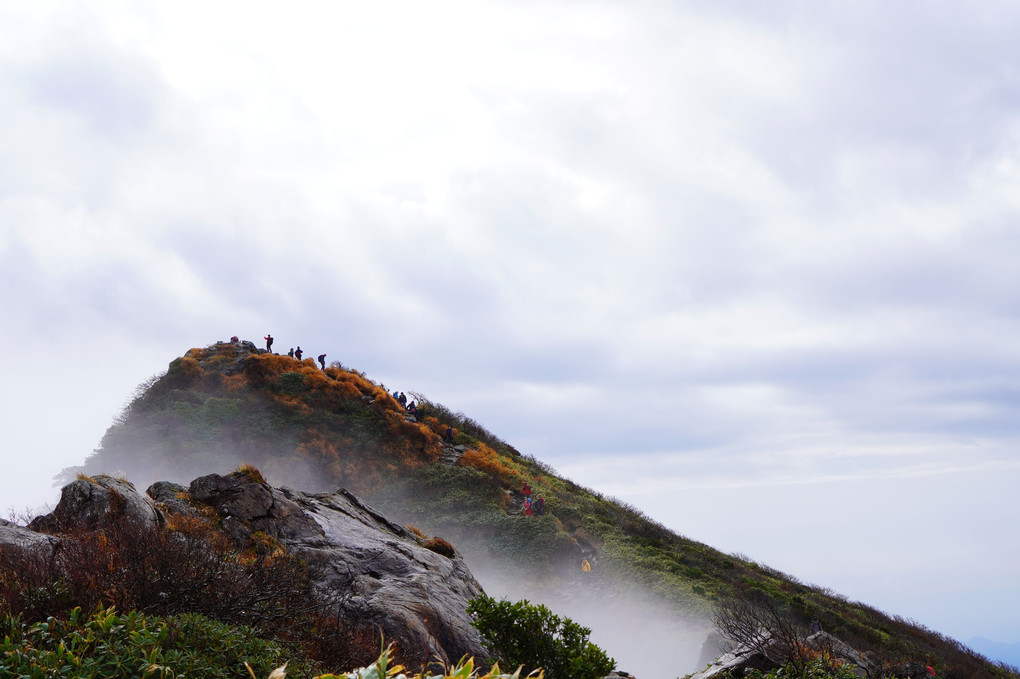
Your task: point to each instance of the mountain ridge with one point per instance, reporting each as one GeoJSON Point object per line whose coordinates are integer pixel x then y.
{"type": "Point", "coordinates": [232, 403]}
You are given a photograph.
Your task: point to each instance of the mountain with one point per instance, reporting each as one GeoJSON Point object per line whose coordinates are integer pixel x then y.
{"type": "Point", "coordinates": [1003, 652]}
{"type": "Point", "coordinates": [648, 594]}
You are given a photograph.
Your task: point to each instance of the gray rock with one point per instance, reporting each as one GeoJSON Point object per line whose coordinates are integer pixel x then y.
{"type": "Point", "coordinates": [90, 502]}
{"type": "Point", "coordinates": [736, 660]}
{"type": "Point", "coordinates": [862, 665]}
{"type": "Point", "coordinates": [416, 597]}
{"type": "Point", "coordinates": [740, 658]}
{"type": "Point", "coordinates": [167, 497]}
{"type": "Point", "coordinates": [235, 495]}
{"type": "Point", "coordinates": [19, 541]}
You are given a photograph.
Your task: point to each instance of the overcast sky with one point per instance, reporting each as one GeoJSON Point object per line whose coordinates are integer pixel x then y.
{"type": "Point", "coordinates": [752, 270]}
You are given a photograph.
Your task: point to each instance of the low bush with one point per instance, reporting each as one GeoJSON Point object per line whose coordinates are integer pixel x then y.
{"type": "Point", "coordinates": [524, 635]}
{"type": "Point", "coordinates": [821, 667]}
{"type": "Point", "coordinates": [111, 645]}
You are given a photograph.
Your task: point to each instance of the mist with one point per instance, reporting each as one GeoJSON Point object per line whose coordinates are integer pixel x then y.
{"type": "Point", "coordinates": [645, 638]}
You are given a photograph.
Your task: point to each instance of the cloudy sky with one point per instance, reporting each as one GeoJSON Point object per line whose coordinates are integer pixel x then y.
{"type": "Point", "coordinates": [750, 269]}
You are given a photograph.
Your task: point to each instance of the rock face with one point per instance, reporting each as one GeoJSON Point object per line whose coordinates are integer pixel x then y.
{"type": "Point", "coordinates": [89, 501]}
{"type": "Point", "coordinates": [24, 541]}
{"type": "Point", "coordinates": [385, 578]}
{"type": "Point", "coordinates": [414, 595]}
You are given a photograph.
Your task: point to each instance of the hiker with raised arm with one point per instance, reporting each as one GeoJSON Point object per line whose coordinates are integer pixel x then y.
{"type": "Point", "coordinates": [269, 343]}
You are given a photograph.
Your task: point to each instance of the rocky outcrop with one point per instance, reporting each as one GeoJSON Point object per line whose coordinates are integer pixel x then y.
{"type": "Point", "coordinates": [738, 659]}
{"type": "Point", "coordinates": [379, 573]}
{"type": "Point", "coordinates": [414, 595]}
{"type": "Point", "coordinates": [20, 542]}
{"type": "Point", "coordinates": [862, 663]}
{"type": "Point", "coordinates": [88, 502]}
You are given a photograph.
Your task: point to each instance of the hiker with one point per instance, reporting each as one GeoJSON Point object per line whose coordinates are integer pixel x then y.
{"type": "Point", "coordinates": [539, 507]}
{"type": "Point", "coordinates": [234, 340]}
{"type": "Point", "coordinates": [402, 399]}
{"type": "Point", "coordinates": [527, 506]}
{"type": "Point", "coordinates": [449, 434]}
{"type": "Point", "coordinates": [585, 566]}
{"type": "Point", "coordinates": [413, 409]}
{"type": "Point", "coordinates": [269, 343]}
{"type": "Point", "coordinates": [816, 626]}
{"type": "Point", "coordinates": [298, 352]}
{"type": "Point", "coordinates": [322, 361]}
{"type": "Point", "coordinates": [291, 352]}
{"type": "Point", "coordinates": [526, 490]}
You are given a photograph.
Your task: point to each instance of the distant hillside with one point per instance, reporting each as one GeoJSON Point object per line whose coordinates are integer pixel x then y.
{"type": "Point", "coordinates": [1008, 653]}
{"type": "Point", "coordinates": [317, 430]}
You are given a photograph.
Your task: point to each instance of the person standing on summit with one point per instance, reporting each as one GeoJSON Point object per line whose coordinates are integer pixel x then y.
{"type": "Point", "coordinates": [322, 361]}
{"type": "Point", "coordinates": [298, 352]}
{"type": "Point", "coordinates": [269, 343]}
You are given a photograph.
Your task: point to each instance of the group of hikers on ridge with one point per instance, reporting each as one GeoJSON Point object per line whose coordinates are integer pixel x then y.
{"type": "Point", "coordinates": [536, 507]}
{"type": "Point", "coordinates": [399, 397]}
{"type": "Point", "coordinates": [293, 353]}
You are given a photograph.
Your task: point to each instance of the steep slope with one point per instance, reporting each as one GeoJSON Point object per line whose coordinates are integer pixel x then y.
{"type": "Point", "coordinates": [317, 430]}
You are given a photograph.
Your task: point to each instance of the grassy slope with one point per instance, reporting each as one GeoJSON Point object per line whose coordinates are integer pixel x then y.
{"type": "Point", "coordinates": [318, 430]}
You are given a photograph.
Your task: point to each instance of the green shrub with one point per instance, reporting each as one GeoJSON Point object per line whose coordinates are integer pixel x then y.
{"type": "Point", "coordinates": [111, 645]}
{"type": "Point", "coordinates": [521, 634]}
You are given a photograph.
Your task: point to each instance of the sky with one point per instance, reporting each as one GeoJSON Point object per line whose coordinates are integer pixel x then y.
{"type": "Point", "coordinates": [750, 268]}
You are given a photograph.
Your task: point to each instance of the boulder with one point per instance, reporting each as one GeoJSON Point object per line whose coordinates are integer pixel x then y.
{"type": "Point", "coordinates": [170, 498]}
{"type": "Point", "coordinates": [18, 541]}
{"type": "Point", "coordinates": [862, 665]}
{"type": "Point", "coordinates": [413, 595]}
{"type": "Point", "coordinates": [89, 502]}
{"type": "Point", "coordinates": [738, 660]}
